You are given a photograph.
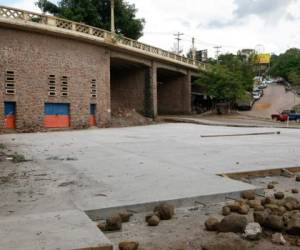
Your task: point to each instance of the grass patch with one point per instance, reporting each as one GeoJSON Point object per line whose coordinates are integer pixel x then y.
{"type": "Point", "coordinates": [17, 158]}
{"type": "Point", "coordinates": [2, 146]}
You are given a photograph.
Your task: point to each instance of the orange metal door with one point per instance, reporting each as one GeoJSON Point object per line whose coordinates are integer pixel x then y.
{"type": "Point", "coordinates": [10, 115]}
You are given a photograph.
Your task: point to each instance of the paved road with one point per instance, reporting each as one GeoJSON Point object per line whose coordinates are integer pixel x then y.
{"type": "Point", "coordinates": [275, 100]}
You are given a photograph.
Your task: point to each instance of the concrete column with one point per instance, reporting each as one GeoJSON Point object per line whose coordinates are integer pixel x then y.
{"type": "Point", "coordinates": [187, 93]}
{"type": "Point", "coordinates": [151, 91]}
{"type": "Point", "coordinates": [103, 112]}
{"type": "Point", "coordinates": [1, 109]}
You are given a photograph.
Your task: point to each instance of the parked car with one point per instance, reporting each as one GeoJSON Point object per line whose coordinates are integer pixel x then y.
{"type": "Point", "coordinates": [257, 93]}
{"type": "Point", "coordinates": [283, 116]}
{"type": "Point", "coordinates": [256, 96]}
{"type": "Point", "coordinates": [262, 86]}
{"type": "Point", "coordinates": [294, 117]}
{"type": "Point", "coordinates": [245, 102]}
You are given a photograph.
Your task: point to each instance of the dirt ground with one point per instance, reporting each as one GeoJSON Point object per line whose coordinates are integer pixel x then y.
{"type": "Point", "coordinates": [186, 230]}
{"type": "Point", "coordinates": [128, 117]}
{"type": "Point", "coordinates": [275, 100]}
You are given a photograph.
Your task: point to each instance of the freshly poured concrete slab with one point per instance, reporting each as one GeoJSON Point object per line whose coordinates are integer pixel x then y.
{"type": "Point", "coordinates": [60, 231]}
{"type": "Point", "coordinates": [114, 168]}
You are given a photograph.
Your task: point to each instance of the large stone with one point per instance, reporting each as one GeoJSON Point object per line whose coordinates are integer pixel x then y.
{"type": "Point", "coordinates": [298, 178]}
{"type": "Point", "coordinates": [293, 226]}
{"type": "Point", "coordinates": [226, 210]}
{"type": "Point", "coordinates": [128, 245]}
{"type": "Point", "coordinates": [211, 224]}
{"type": "Point", "coordinates": [267, 200]}
{"type": "Point", "coordinates": [125, 216]}
{"type": "Point", "coordinates": [290, 215]}
{"type": "Point", "coordinates": [274, 222]}
{"type": "Point", "coordinates": [113, 223]}
{"type": "Point", "coordinates": [278, 238]}
{"type": "Point", "coordinates": [288, 206]}
{"type": "Point", "coordinates": [148, 216]}
{"type": "Point", "coordinates": [234, 206]}
{"type": "Point", "coordinates": [153, 221]}
{"type": "Point", "coordinates": [295, 191]}
{"type": "Point", "coordinates": [270, 186]}
{"type": "Point", "coordinates": [254, 203]}
{"type": "Point", "coordinates": [279, 195]}
{"type": "Point", "coordinates": [244, 209]}
{"type": "Point", "coordinates": [248, 195]}
{"type": "Point", "coordinates": [165, 211]}
{"type": "Point", "coordinates": [233, 223]}
{"type": "Point", "coordinates": [258, 208]}
{"type": "Point", "coordinates": [292, 202]}
{"type": "Point", "coordinates": [272, 206]}
{"type": "Point", "coordinates": [260, 217]}
{"type": "Point", "coordinates": [253, 231]}
{"type": "Point", "coordinates": [102, 226]}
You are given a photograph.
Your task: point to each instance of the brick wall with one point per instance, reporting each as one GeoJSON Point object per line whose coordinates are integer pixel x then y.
{"type": "Point", "coordinates": [33, 57]}
{"type": "Point", "coordinates": [173, 94]}
{"type": "Point", "coordinates": [128, 88]}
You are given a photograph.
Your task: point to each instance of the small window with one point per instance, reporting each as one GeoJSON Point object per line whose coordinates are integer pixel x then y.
{"type": "Point", "coordinates": [51, 85]}
{"type": "Point", "coordinates": [10, 86]}
{"type": "Point", "coordinates": [93, 88]}
{"type": "Point", "coordinates": [64, 86]}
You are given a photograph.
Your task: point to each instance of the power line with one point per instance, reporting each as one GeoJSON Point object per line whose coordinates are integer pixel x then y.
{"type": "Point", "coordinates": [177, 37]}
{"type": "Point", "coordinates": [218, 50]}
{"type": "Point", "coordinates": [198, 41]}
{"type": "Point", "coordinates": [193, 49]}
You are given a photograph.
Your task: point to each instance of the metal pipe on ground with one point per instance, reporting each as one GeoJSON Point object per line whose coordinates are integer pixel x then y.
{"type": "Point", "coordinates": [249, 134]}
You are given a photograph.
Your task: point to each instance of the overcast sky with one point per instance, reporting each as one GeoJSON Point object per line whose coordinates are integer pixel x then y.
{"type": "Point", "coordinates": [269, 25]}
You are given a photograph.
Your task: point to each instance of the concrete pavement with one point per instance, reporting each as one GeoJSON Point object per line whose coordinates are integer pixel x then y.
{"type": "Point", "coordinates": [115, 168]}
{"type": "Point", "coordinates": [59, 230]}
{"type": "Point", "coordinates": [100, 171]}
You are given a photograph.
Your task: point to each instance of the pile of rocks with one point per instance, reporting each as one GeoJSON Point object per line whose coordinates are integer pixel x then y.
{"type": "Point", "coordinates": [252, 217]}
{"type": "Point", "coordinates": [114, 222]}
{"type": "Point", "coordinates": [163, 211]}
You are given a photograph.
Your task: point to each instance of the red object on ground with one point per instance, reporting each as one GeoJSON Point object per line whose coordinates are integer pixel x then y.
{"type": "Point", "coordinates": [10, 121]}
{"type": "Point", "coordinates": [57, 121]}
{"type": "Point", "coordinates": [92, 120]}
{"type": "Point", "coordinates": [283, 117]}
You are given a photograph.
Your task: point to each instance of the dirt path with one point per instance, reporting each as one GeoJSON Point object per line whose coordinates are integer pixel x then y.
{"type": "Point", "coordinates": [275, 100]}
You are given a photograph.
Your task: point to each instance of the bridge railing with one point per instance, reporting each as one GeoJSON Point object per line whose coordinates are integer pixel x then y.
{"type": "Point", "coordinates": [13, 13]}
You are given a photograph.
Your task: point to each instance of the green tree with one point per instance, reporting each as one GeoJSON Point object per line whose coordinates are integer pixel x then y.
{"type": "Point", "coordinates": [228, 80]}
{"type": "Point", "coordinates": [222, 84]}
{"type": "Point", "coordinates": [97, 13]}
{"type": "Point", "coordinates": [287, 65]}
{"type": "Point", "coordinates": [243, 68]}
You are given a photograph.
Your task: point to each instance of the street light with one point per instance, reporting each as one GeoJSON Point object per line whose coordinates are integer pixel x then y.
{"type": "Point", "coordinates": [112, 22]}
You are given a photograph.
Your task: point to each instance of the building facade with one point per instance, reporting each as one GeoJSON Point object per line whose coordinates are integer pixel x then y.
{"type": "Point", "coordinates": [61, 74]}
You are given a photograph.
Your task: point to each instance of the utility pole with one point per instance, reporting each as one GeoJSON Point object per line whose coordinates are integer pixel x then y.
{"type": "Point", "coordinates": [193, 49]}
{"type": "Point", "coordinates": [218, 50]}
{"type": "Point", "coordinates": [177, 37]}
{"type": "Point", "coordinates": [112, 16]}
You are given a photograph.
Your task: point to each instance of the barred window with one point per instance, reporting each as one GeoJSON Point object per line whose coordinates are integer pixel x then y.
{"type": "Point", "coordinates": [64, 86]}
{"type": "Point", "coordinates": [51, 85]}
{"type": "Point", "coordinates": [93, 88]}
{"type": "Point", "coordinates": [10, 87]}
